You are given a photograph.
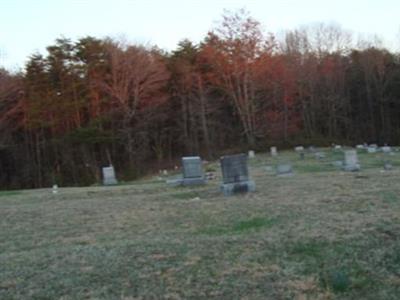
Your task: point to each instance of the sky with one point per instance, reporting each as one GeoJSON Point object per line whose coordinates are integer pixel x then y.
{"type": "Point", "coordinates": [29, 26]}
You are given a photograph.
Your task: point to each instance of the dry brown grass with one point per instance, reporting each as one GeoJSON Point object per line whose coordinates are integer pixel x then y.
{"type": "Point", "coordinates": [151, 241]}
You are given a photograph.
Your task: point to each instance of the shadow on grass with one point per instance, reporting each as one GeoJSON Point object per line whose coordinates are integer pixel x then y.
{"type": "Point", "coordinates": [9, 193]}
{"type": "Point", "coordinates": [240, 227]}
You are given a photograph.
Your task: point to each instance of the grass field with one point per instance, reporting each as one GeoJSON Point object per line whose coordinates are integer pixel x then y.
{"type": "Point", "coordinates": [320, 234]}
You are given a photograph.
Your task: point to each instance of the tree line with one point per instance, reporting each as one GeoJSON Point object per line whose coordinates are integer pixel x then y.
{"type": "Point", "coordinates": [94, 102]}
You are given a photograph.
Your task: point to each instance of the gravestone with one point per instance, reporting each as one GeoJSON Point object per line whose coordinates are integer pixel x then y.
{"type": "Point", "coordinates": [371, 149]}
{"type": "Point", "coordinates": [319, 155]}
{"type": "Point", "coordinates": [109, 176]}
{"type": "Point", "coordinates": [284, 169]}
{"type": "Point", "coordinates": [274, 151]}
{"type": "Point", "coordinates": [387, 166]}
{"type": "Point", "coordinates": [337, 164]}
{"type": "Point", "coordinates": [299, 148]}
{"type": "Point", "coordinates": [55, 189]}
{"type": "Point", "coordinates": [360, 147]}
{"type": "Point", "coordinates": [311, 149]}
{"type": "Point", "coordinates": [192, 171]}
{"type": "Point", "coordinates": [235, 174]}
{"type": "Point", "coordinates": [337, 147]}
{"type": "Point", "coordinates": [386, 149]}
{"type": "Point", "coordinates": [252, 154]}
{"type": "Point", "coordinates": [351, 161]}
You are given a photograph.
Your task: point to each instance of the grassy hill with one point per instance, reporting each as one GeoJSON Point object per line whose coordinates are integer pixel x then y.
{"type": "Point", "coordinates": [319, 234]}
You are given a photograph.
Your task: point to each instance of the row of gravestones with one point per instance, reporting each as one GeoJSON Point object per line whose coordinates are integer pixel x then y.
{"type": "Point", "coordinates": [234, 169]}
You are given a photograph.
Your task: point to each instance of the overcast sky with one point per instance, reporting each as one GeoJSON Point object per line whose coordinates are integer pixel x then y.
{"type": "Point", "coordinates": [31, 25]}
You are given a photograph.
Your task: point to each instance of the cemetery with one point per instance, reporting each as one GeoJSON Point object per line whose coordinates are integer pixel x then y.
{"type": "Point", "coordinates": [330, 230]}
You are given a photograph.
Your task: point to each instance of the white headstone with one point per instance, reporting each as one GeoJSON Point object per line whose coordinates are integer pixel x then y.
{"type": "Point", "coordinates": [55, 189]}
{"type": "Point", "coordinates": [274, 151]}
{"type": "Point", "coordinates": [252, 154]}
{"type": "Point", "coordinates": [386, 149]}
{"type": "Point", "coordinates": [299, 148]}
{"type": "Point", "coordinates": [371, 149]}
{"type": "Point", "coordinates": [351, 161]}
{"type": "Point", "coordinates": [360, 147]}
{"type": "Point", "coordinates": [109, 176]}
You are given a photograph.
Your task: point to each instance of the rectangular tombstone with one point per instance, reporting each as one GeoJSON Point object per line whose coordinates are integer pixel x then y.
{"type": "Point", "coordinates": [192, 171]}
{"type": "Point", "coordinates": [235, 175]}
{"type": "Point", "coordinates": [351, 161]}
{"type": "Point", "coordinates": [252, 154]}
{"type": "Point", "coordinates": [192, 167]}
{"type": "Point", "coordinates": [274, 151]}
{"type": "Point", "coordinates": [109, 176]}
{"type": "Point", "coordinates": [284, 169]}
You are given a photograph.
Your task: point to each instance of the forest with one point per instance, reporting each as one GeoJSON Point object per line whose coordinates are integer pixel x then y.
{"type": "Point", "coordinates": [99, 101]}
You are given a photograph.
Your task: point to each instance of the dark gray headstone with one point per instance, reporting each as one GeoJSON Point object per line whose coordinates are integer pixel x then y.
{"type": "Point", "coordinates": [234, 168]}
{"type": "Point", "coordinates": [235, 175]}
{"type": "Point", "coordinates": [192, 167]}
{"type": "Point", "coordinates": [192, 171]}
{"type": "Point", "coordinates": [284, 169]}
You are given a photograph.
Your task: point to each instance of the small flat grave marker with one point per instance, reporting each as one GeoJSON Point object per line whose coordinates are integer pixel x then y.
{"type": "Point", "coordinates": [284, 169]}
{"type": "Point", "coordinates": [386, 149]}
{"type": "Point", "coordinates": [371, 149]}
{"type": "Point", "coordinates": [299, 149]}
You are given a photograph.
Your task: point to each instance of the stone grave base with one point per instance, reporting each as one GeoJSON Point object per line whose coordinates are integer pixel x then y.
{"type": "Point", "coordinates": [238, 187]}
{"type": "Point", "coordinates": [110, 181]}
{"type": "Point", "coordinates": [187, 181]}
{"type": "Point", "coordinates": [351, 168]}
{"type": "Point", "coordinates": [193, 181]}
